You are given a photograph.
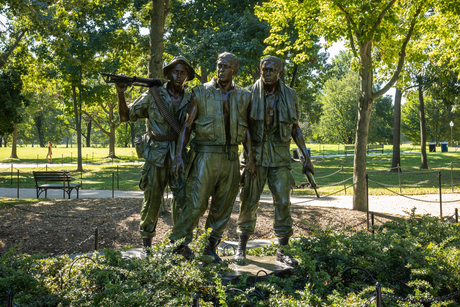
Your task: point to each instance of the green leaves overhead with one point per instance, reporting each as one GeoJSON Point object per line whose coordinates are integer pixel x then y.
{"type": "Point", "coordinates": [13, 101]}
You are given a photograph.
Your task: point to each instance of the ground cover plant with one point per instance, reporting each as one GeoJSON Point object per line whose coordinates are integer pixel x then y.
{"type": "Point", "coordinates": [412, 258]}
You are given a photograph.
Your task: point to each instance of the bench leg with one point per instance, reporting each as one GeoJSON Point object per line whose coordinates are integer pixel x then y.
{"type": "Point", "coordinates": [77, 193]}
{"type": "Point", "coordinates": [46, 193]}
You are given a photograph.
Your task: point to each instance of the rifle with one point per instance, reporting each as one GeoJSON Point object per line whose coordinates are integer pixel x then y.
{"type": "Point", "coordinates": [309, 176]}
{"type": "Point", "coordinates": [130, 81]}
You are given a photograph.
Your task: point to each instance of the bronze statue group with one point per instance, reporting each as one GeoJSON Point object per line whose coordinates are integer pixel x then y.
{"type": "Point", "coordinates": [263, 118]}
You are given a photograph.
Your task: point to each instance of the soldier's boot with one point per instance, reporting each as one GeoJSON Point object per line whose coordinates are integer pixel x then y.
{"type": "Point", "coordinates": [210, 250]}
{"type": "Point", "coordinates": [282, 257]}
{"type": "Point", "coordinates": [185, 251]}
{"type": "Point", "coordinates": [147, 244]}
{"type": "Point", "coordinates": [241, 250]}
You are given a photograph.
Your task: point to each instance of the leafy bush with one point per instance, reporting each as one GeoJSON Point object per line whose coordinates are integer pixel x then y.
{"type": "Point", "coordinates": [414, 258]}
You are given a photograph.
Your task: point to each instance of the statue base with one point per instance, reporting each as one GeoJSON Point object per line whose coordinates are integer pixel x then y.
{"type": "Point", "coordinates": [257, 269]}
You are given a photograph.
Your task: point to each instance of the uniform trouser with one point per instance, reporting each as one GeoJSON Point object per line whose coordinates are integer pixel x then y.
{"type": "Point", "coordinates": [280, 182]}
{"type": "Point", "coordinates": [153, 182]}
{"type": "Point", "coordinates": [212, 174]}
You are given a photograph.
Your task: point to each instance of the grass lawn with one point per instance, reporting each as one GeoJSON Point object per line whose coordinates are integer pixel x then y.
{"type": "Point", "coordinates": [328, 170]}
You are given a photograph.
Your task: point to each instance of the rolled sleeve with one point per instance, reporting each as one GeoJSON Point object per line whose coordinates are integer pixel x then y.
{"type": "Point", "coordinates": [140, 107]}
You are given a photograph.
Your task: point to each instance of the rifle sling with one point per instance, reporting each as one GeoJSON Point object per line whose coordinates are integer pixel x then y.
{"type": "Point", "coordinates": [164, 110]}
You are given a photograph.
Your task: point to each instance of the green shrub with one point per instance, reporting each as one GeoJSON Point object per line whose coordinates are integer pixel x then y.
{"type": "Point", "coordinates": [413, 258]}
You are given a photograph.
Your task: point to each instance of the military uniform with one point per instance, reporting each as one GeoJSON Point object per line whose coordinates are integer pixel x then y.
{"type": "Point", "coordinates": [215, 170]}
{"type": "Point", "coordinates": [271, 120]}
{"type": "Point", "coordinates": [159, 153]}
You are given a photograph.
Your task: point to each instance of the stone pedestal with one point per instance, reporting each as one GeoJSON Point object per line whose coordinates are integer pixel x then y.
{"type": "Point", "coordinates": [257, 269]}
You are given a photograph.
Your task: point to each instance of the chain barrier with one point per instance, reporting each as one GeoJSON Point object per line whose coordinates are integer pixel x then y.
{"type": "Point", "coordinates": [72, 248]}
{"type": "Point", "coordinates": [421, 200]}
{"type": "Point", "coordinates": [408, 184]}
{"type": "Point", "coordinates": [427, 172]}
{"type": "Point", "coordinates": [423, 300]}
{"type": "Point", "coordinates": [369, 301]}
{"type": "Point", "coordinates": [338, 171]}
{"type": "Point", "coordinates": [334, 184]}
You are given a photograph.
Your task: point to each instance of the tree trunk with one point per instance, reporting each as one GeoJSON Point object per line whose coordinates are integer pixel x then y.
{"type": "Point", "coordinates": [78, 129]}
{"type": "Point", "coordinates": [14, 154]}
{"type": "Point", "coordinates": [39, 126]}
{"type": "Point", "coordinates": [160, 9]}
{"type": "Point", "coordinates": [364, 115]}
{"type": "Point", "coordinates": [294, 76]}
{"type": "Point", "coordinates": [424, 164]}
{"type": "Point", "coordinates": [397, 132]}
{"type": "Point", "coordinates": [112, 142]}
{"type": "Point", "coordinates": [88, 134]}
{"type": "Point", "coordinates": [1, 141]}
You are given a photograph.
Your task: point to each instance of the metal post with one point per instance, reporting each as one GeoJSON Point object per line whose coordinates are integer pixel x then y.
{"type": "Point", "coordinates": [112, 158]}
{"type": "Point", "coordinates": [399, 176]}
{"type": "Point", "coordinates": [81, 178]}
{"type": "Point", "coordinates": [62, 159]}
{"type": "Point", "coordinates": [9, 299]}
{"type": "Point", "coordinates": [11, 184]}
{"type": "Point", "coordinates": [367, 200]}
{"type": "Point", "coordinates": [18, 184]}
{"type": "Point", "coordinates": [344, 183]}
{"type": "Point", "coordinates": [46, 167]}
{"type": "Point", "coordinates": [440, 197]}
{"type": "Point", "coordinates": [195, 300]}
{"type": "Point", "coordinates": [118, 179]}
{"type": "Point", "coordinates": [456, 215]}
{"type": "Point", "coordinates": [37, 160]}
{"type": "Point", "coordinates": [86, 159]}
{"type": "Point", "coordinates": [372, 219]}
{"type": "Point", "coordinates": [113, 185]}
{"type": "Point", "coordinates": [452, 176]}
{"type": "Point", "coordinates": [378, 290]}
{"type": "Point", "coordinates": [96, 239]}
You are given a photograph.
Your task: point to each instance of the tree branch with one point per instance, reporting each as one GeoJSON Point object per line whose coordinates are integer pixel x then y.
{"type": "Point", "coordinates": [347, 16]}
{"type": "Point", "coordinates": [382, 14]}
{"type": "Point", "coordinates": [94, 121]}
{"type": "Point", "coordinates": [402, 55]}
{"type": "Point", "coordinates": [352, 43]}
{"type": "Point", "coordinates": [8, 53]}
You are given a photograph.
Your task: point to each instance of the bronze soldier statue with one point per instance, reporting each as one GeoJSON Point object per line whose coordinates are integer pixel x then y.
{"type": "Point", "coordinates": [159, 144]}
{"type": "Point", "coordinates": [273, 121]}
{"type": "Point", "coordinates": [218, 115]}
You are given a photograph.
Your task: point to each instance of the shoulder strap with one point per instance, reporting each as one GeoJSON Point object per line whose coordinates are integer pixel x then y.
{"type": "Point", "coordinates": [164, 110]}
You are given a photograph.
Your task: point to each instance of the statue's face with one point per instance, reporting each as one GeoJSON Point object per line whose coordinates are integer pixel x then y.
{"type": "Point", "coordinates": [178, 75]}
{"type": "Point", "coordinates": [270, 73]}
{"type": "Point", "coordinates": [224, 69]}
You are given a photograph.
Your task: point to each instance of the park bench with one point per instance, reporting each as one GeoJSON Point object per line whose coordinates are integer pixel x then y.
{"type": "Point", "coordinates": [349, 149]}
{"type": "Point", "coordinates": [63, 177]}
{"type": "Point", "coordinates": [375, 148]}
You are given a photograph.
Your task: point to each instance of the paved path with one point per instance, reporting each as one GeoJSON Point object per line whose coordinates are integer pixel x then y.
{"type": "Point", "coordinates": [425, 204]}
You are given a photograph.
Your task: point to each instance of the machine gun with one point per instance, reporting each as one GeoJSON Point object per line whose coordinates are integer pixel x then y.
{"type": "Point", "coordinates": [130, 81]}
{"type": "Point", "coordinates": [309, 177]}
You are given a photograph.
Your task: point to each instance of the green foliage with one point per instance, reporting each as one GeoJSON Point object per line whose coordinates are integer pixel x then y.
{"type": "Point", "coordinates": [415, 257]}
{"type": "Point", "coordinates": [13, 100]}
{"type": "Point", "coordinates": [438, 115]}
{"type": "Point", "coordinates": [200, 30]}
